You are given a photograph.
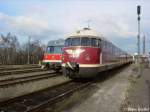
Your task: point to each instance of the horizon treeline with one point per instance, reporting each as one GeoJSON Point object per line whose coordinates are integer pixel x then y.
{"type": "Point", "coordinates": [12, 52]}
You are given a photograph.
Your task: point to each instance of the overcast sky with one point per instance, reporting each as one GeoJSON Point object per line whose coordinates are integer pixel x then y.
{"type": "Point", "coordinates": [50, 19]}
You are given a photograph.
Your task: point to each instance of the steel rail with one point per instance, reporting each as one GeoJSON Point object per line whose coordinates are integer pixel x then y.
{"type": "Point", "coordinates": [42, 106]}
{"type": "Point", "coordinates": [20, 71]}
{"type": "Point", "coordinates": [17, 76]}
{"type": "Point", "coordinates": [15, 68]}
{"type": "Point", "coordinates": [38, 101]}
{"type": "Point", "coordinates": [27, 79]}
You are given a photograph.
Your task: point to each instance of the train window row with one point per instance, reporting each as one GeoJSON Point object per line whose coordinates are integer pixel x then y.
{"type": "Point", "coordinates": [95, 42]}
{"type": "Point", "coordinates": [54, 49]}
{"type": "Point", "coordinates": [108, 46]}
{"type": "Point", "coordinates": [83, 41]}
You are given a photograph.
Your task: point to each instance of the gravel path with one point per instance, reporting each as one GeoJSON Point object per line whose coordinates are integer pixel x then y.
{"type": "Point", "coordinates": [138, 95]}
{"type": "Point", "coordinates": [108, 96]}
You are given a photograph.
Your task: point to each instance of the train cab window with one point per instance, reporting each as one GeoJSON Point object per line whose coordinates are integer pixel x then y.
{"type": "Point", "coordinates": [53, 49]}
{"type": "Point", "coordinates": [68, 42]}
{"type": "Point", "coordinates": [94, 42]}
{"type": "Point", "coordinates": [57, 49]}
{"type": "Point", "coordinates": [72, 42]}
{"type": "Point", "coordinates": [75, 42]}
{"type": "Point", "coordinates": [85, 41]}
{"type": "Point", "coordinates": [50, 49]}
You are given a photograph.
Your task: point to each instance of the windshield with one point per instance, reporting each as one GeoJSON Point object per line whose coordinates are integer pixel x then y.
{"type": "Point", "coordinates": [75, 42]}
{"type": "Point", "coordinates": [54, 49]}
{"type": "Point", "coordinates": [84, 41]}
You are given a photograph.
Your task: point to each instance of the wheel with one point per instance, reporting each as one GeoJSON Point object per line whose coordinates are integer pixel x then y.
{"type": "Point", "coordinates": [47, 66]}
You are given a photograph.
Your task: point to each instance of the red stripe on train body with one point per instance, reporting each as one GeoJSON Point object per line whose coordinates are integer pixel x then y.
{"type": "Point", "coordinates": [52, 57]}
{"type": "Point", "coordinates": [82, 55]}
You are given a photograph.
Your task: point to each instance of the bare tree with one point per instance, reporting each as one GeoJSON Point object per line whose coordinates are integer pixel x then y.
{"type": "Point", "coordinates": [11, 52]}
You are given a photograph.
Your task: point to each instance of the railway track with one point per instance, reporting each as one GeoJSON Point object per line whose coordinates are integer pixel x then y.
{"type": "Point", "coordinates": [43, 99]}
{"type": "Point", "coordinates": [26, 78]}
{"type": "Point", "coordinates": [11, 68]}
{"type": "Point", "coordinates": [15, 67]}
{"type": "Point", "coordinates": [20, 71]}
{"type": "Point", "coordinates": [2, 66]}
{"type": "Point", "coordinates": [36, 102]}
{"type": "Point", "coordinates": [15, 76]}
{"type": "Point", "coordinates": [22, 74]}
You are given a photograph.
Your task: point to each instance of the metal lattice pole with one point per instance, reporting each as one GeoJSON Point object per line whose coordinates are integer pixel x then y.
{"type": "Point", "coordinates": [138, 37]}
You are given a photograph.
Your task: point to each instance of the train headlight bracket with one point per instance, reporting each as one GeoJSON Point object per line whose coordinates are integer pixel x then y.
{"type": "Point", "coordinates": [72, 66]}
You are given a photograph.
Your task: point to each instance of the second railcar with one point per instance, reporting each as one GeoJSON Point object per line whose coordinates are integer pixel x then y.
{"type": "Point", "coordinates": [53, 55]}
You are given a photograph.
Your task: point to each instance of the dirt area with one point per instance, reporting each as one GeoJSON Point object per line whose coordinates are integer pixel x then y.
{"type": "Point", "coordinates": [138, 93]}
{"type": "Point", "coordinates": [105, 95]}
{"type": "Point", "coordinates": [123, 91]}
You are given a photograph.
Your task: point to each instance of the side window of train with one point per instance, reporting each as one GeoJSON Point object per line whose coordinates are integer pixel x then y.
{"type": "Point", "coordinates": [105, 45]}
{"type": "Point", "coordinates": [102, 43]}
{"type": "Point", "coordinates": [99, 42]}
{"type": "Point", "coordinates": [95, 42]}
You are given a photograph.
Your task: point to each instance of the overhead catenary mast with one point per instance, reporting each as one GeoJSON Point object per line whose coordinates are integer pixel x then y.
{"type": "Point", "coordinates": [138, 42]}
{"type": "Point", "coordinates": [138, 37]}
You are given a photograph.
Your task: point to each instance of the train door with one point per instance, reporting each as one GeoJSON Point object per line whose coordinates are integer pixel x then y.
{"type": "Point", "coordinates": [99, 44]}
{"type": "Point", "coordinates": [101, 59]}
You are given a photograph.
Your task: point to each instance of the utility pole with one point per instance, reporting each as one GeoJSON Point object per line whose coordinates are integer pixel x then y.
{"type": "Point", "coordinates": [29, 49]}
{"type": "Point", "coordinates": [138, 37]}
{"type": "Point", "coordinates": [144, 45]}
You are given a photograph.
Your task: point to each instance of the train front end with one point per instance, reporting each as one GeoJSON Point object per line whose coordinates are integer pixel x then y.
{"type": "Point", "coordinates": [81, 55]}
{"type": "Point", "coordinates": [52, 57]}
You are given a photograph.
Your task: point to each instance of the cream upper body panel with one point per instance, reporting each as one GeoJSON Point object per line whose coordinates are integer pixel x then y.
{"type": "Point", "coordinates": [86, 32]}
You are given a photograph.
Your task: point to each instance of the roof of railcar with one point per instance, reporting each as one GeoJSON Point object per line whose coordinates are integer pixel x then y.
{"type": "Point", "coordinates": [58, 42]}
{"type": "Point", "coordinates": [86, 32]}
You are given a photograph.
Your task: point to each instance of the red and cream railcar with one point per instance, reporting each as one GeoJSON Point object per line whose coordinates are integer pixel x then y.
{"type": "Point", "coordinates": [53, 55]}
{"type": "Point", "coordinates": [85, 52]}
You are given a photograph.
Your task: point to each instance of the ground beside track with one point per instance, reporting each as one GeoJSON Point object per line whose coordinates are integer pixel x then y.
{"type": "Point", "coordinates": [138, 94]}
{"type": "Point", "coordinates": [25, 82]}
{"type": "Point", "coordinates": [20, 89]}
{"type": "Point", "coordinates": [105, 95]}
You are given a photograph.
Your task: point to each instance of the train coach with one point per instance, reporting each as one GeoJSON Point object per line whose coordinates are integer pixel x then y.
{"type": "Point", "coordinates": [86, 53]}
{"type": "Point", "coordinates": [52, 57]}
